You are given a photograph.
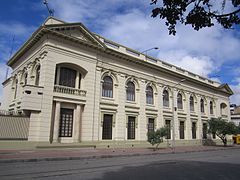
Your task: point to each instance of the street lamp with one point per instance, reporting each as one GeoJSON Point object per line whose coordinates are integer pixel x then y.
{"type": "Point", "coordinates": [173, 110]}
{"type": "Point", "coordinates": [145, 51]}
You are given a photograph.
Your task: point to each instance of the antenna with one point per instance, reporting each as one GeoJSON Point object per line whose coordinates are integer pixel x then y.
{"type": "Point", "coordinates": [10, 54]}
{"type": "Point", "coordinates": [50, 11]}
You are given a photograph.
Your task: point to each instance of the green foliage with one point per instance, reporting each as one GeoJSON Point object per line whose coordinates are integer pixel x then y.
{"type": "Point", "coordinates": [156, 137]}
{"type": "Point", "coordinates": [221, 128]}
{"type": "Point", "coordinates": [197, 13]}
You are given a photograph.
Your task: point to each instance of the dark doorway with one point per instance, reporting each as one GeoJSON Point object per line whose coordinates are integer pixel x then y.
{"type": "Point", "coordinates": [66, 123]}
{"type": "Point", "coordinates": [107, 127]}
{"type": "Point", "coordinates": [131, 127]}
{"type": "Point", "coordinates": [150, 124]}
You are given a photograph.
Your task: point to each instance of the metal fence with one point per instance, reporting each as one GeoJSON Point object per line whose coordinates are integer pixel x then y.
{"type": "Point", "coordinates": [13, 127]}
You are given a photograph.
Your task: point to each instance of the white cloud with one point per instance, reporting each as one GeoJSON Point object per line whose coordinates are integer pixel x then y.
{"type": "Point", "coordinates": [8, 30]}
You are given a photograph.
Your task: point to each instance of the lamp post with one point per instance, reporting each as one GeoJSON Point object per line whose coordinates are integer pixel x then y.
{"type": "Point", "coordinates": [145, 51]}
{"type": "Point", "coordinates": [174, 108]}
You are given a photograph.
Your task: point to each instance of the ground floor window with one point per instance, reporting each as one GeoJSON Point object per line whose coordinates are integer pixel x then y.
{"type": "Point", "coordinates": [194, 129]}
{"type": "Point", "coordinates": [66, 122]}
{"type": "Point", "coordinates": [204, 131]}
{"type": "Point", "coordinates": [107, 126]}
{"type": "Point", "coordinates": [150, 124]}
{"type": "Point", "coordinates": [131, 127]}
{"type": "Point", "coordinates": [168, 125]}
{"type": "Point", "coordinates": [181, 130]}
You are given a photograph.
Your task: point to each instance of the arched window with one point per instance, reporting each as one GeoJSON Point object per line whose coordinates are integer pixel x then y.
{"type": "Point", "coordinates": [191, 103]}
{"type": "Point", "coordinates": [37, 76]}
{"type": "Point", "coordinates": [16, 87]}
{"type": "Point", "coordinates": [223, 109]}
{"type": "Point", "coordinates": [202, 105]}
{"type": "Point", "coordinates": [149, 95]}
{"type": "Point", "coordinates": [179, 101]}
{"type": "Point", "coordinates": [130, 91]}
{"type": "Point", "coordinates": [165, 98]}
{"type": "Point", "coordinates": [107, 87]}
{"type": "Point", "coordinates": [25, 78]}
{"type": "Point", "coordinates": [211, 107]}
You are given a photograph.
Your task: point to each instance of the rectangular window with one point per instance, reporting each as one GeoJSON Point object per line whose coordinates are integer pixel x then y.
{"type": "Point", "coordinates": [66, 122]}
{"type": "Point", "coordinates": [107, 126]}
{"type": "Point", "coordinates": [168, 125]}
{"type": "Point", "coordinates": [150, 124]}
{"type": "Point", "coordinates": [204, 131]}
{"type": "Point", "coordinates": [131, 127]}
{"type": "Point", "coordinates": [194, 129]}
{"type": "Point", "coordinates": [67, 77]}
{"type": "Point", "coordinates": [181, 130]}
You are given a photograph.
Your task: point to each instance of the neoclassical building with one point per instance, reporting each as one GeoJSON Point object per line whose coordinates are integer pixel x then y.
{"type": "Point", "coordinates": [77, 86]}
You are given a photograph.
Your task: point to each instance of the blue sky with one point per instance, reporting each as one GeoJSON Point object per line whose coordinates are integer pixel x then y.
{"type": "Point", "coordinates": [212, 52]}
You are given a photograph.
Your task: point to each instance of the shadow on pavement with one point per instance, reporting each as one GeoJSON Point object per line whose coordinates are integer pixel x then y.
{"type": "Point", "coordinates": [177, 170]}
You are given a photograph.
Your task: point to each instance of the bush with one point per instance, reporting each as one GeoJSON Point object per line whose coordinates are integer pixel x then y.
{"type": "Point", "coordinates": [156, 137]}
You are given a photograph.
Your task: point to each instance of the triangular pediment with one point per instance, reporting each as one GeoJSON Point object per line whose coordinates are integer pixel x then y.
{"type": "Point", "coordinates": [225, 88]}
{"type": "Point", "coordinates": [52, 20]}
{"type": "Point", "coordinates": [76, 30]}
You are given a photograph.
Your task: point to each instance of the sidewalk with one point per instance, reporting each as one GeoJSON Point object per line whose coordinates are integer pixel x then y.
{"type": "Point", "coordinates": [8, 156]}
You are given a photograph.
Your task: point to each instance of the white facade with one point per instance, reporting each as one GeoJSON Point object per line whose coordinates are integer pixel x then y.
{"type": "Point", "coordinates": [58, 79]}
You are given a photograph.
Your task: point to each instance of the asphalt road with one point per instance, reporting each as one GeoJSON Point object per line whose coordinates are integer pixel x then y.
{"type": "Point", "coordinates": [213, 165]}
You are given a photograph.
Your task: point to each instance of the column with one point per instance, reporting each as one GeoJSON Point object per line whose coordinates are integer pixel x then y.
{"type": "Point", "coordinates": [77, 85]}
{"type": "Point", "coordinates": [159, 104]}
{"type": "Point", "coordinates": [175, 122]}
{"type": "Point", "coordinates": [77, 123]}
{"type": "Point", "coordinates": [188, 122]}
{"type": "Point", "coordinates": [56, 122]}
{"type": "Point", "coordinates": [199, 123]}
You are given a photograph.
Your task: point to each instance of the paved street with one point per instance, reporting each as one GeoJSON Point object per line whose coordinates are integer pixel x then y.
{"type": "Point", "coordinates": [219, 165]}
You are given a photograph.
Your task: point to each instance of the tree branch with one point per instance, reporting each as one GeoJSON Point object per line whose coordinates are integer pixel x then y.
{"type": "Point", "coordinates": [223, 15]}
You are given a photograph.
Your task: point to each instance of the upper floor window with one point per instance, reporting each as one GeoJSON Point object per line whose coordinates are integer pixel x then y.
{"type": "Point", "coordinates": [179, 101]}
{"type": "Point", "coordinates": [149, 95]}
{"type": "Point", "coordinates": [211, 107]}
{"type": "Point", "coordinates": [165, 98]}
{"type": "Point", "coordinates": [25, 78]}
{"type": "Point", "coordinates": [16, 87]}
{"type": "Point", "coordinates": [130, 91]}
{"type": "Point", "coordinates": [37, 76]}
{"type": "Point", "coordinates": [223, 109]}
{"type": "Point", "coordinates": [191, 103]}
{"type": "Point", "coordinates": [67, 77]}
{"type": "Point", "coordinates": [202, 105]}
{"type": "Point", "coordinates": [107, 87]}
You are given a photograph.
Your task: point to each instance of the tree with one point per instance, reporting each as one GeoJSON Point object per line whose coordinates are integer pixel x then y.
{"type": "Point", "coordinates": [221, 128]}
{"type": "Point", "coordinates": [198, 13]}
{"type": "Point", "coordinates": [156, 137]}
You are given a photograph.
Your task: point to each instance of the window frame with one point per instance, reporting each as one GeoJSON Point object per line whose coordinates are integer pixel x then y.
{"type": "Point", "coordinates": [131, 91]}
{"type": "Point", "coordinates": [107, 87]}
{"type": "Point", "coordinates": [202, 108]}
{"type": "Point", "coordinates": [180, 102]}
{"type": "Point", "coordinates": [166, 98]}
{"type": "Point", "coordinates": [149, 95]}
{"type": "Point", "coordinates": [191, 103]}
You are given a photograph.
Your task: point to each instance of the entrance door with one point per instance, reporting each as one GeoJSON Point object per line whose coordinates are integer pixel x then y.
{"type": "Point", "coordinates": [194, 128]}
{"type": "Point", "coordinates": [181, 130]}
{"type": "Point", "coordinates": [168, 125]}
{"type": "Point", "coordinates": [204, 131]}
{"type": "Point", "coordinates": [107, 127]}
{"type": "Point", "coordinates": [131, 127]}
{"type": "Point", "coordinates": [66, 123]}
{"type": "Point", "coordinates": [150, 125]}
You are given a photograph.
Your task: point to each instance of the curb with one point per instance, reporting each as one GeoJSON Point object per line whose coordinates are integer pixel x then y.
{"type": "Point", "coordinates": [106, 156]}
